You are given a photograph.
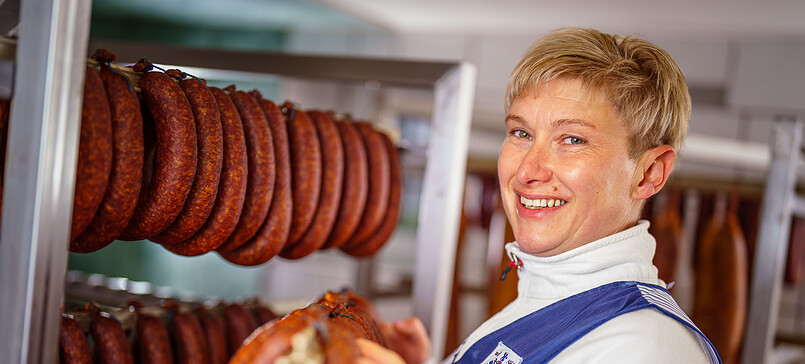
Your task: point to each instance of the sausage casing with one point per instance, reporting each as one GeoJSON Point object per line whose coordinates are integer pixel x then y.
{"type": "Point", "coordinates": [355, 186]}
{"type": "Point", "coordinates": [239, 324]}
{"type": "Point", "coordinates": [111, 344]}
{"type": "Point", "coordinates": [332, 178]}
{"type": "Point", "coordinates": [273, 233]}
{"type": "Point", "coordinates": [176, 153]}
{"type": "Point", "coordinates": [94, 153]}
{"type": "Point", "coordinates": [215, 334]}
{"type": "Point", "coordinates": [73, 343]}
{"type": "Point", "coordinates": [152, 340]}
{"type": "Point", "coordinates": [125, 179]}
{"type": "Point", "coordinates": [305, 168]}
{"type": "Point", "coordinates": [262, 174]}
{"type": "Point", "coordinates": [188, 339]}
{"type": "Point", "coordinates": [201, 197]}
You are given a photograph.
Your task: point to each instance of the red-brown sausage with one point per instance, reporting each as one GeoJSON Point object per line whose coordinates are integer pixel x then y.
{"type": "Point", "coordinates": [94, 153]}
{"type": "Point", "coordinates": [379, 186]}
{"type": "Point", "coordinates": [305, 168]}
{"type": "Point", "coordinates": [162, 200]}
{"type": "Point", "coordinates": [73, 343]}
{"type": "Point", "coordinates": [332, 178]}
{"type": "Point", "coordinates": [111, 344]}
{"type": "Point", "coordinates": [201, 198]}
{"type": "Point", "coordinates": [215, 333]}
{"type": "Point", "coordinates": [152, 340]}
{"type": "Point", "coordinates": [127, 165]}
{"type": "Point", "coordinates": [239, 324]}
{"type": "Point", "coordinates": [232, 186]}
{"type": "Point", "coordinates": [376, 240]}
{"type": "Point", "coordinates": [188, 339]}
{"type": "Point", "coordinates": [263, 314]}
{"type": "Point", "coordinates": [260, 184]}
{"type": "Point", "coordinates": [355, 187]}
{"type": "Point", "coordinates": [274, 232]}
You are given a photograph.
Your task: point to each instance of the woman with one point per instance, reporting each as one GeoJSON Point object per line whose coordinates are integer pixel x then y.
{"type": "Point", "coordinates": [594, 124]}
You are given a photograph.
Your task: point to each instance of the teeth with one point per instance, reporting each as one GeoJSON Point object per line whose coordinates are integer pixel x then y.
{"type": "Point", "coordinates": [541, 203]}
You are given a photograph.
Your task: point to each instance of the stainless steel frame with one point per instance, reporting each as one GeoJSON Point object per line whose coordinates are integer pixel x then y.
{"type": "Point", "coordinates": [40, 175]}
{"type": "Point", "coordinates": [772, 244]}
{"type": "Point", "coordinates": [41, 167]}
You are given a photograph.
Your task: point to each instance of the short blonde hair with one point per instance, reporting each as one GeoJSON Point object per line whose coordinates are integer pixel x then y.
{"type": "Point", "coordinates": [641, 81]}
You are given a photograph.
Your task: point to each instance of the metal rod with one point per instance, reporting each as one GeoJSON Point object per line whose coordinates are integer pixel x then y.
{"type": "Point", "coordinates": [440, 210]}
{"type": "Point", "coordinates": [772, 241]}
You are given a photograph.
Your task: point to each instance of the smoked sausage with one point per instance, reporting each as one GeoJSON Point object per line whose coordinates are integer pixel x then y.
{"type": "Point", "coordinates": [260, 183]}
{"type": "Point", "coordinates": [111, 344]}
{"type": "Point", "coordinates": [125, 179]}
{"type": "Point", "coordinates": [239, 324]}
{"type": "Point", "coordinates": [94, 153]}
{"type": "Point", "coordinates": [73, 343]}
{"type": "Point", "coordinates": [188, 339]}
{"type": "Point", "coordinates": [355, 187]}
{"type": "Point", "coordinates": [306, 170]}
{"type": "Point", "coordinates": [215, 335]}
{"type": "Point", "coordinates": [152, 340]}
{"type": "Point", "coordinates": [274, 232]}
{"type": "Point", "coordinates": [389, 224]}
{"type": "Point", "coordinates": [232, 185]}
{"type": "Point", "coordinates": [379, 186]}
{"type": "Point", "coordinates": [176, 153]}
{"type": "Point", "coordinates": [332, 166]}
{"type": "Point", "coordinates": [201, 198]}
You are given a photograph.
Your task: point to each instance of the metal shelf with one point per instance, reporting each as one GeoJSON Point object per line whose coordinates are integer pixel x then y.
{"type": "Point", "coordinates": [43, 143]}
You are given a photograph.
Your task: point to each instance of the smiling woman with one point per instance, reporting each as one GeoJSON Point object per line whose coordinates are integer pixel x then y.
{"type": "Point", "coordinates": [594, 123]}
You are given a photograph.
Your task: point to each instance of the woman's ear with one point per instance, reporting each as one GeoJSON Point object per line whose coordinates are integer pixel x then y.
{"type": "Point", "coordinates": [653, 170]}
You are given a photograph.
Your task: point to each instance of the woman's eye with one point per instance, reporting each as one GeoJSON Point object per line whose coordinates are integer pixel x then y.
{"type": "Point", "coordinates": [573, 140]}
{"type": "Point", "coordinates": [521, 134]}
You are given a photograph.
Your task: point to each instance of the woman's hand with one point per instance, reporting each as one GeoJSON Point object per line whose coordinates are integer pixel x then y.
{"type": "Point", "coordinates": [407, 339]}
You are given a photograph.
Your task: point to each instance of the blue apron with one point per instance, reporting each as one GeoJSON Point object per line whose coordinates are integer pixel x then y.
{"type": "Point", "coordinates": [543, 334]}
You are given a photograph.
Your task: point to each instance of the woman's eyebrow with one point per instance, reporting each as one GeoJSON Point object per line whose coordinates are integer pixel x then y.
{"type": "Point", "coordinates": [514, 119]}
{"type": "Point", "coordinates": [571, 122]}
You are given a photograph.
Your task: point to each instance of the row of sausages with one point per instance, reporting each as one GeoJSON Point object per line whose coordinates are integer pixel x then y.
{"type": "Point", "coordinates": [159, 335]}
{"type": "Point", "coordinates": [199, 169]}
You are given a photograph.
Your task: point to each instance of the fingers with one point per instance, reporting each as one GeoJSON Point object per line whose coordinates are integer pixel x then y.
{"type": "Point", "coordinates": [374, 353]}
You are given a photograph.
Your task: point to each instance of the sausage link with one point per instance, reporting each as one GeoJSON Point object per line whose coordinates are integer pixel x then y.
{"type": "Point", "coordinates": [73, 343]}
{"type": "Point", "coordinates": [239, 325]}
{"type": "Point", "coordinates": [355, 186]}
{"type": "Point", "coordinates": [260, 184]}
{"type": "Point", "coordinates": [232, 185]}
{"type": "Point", "coordinates": [125, 179]}
{"type": "Point", "coordinates": [339, 341]}
{"type": "Point", "coordinates": [111, 344]}
{"type": "Point", "coordinates": [274, 232]}
{"type": "Point", "coordinates": [376, 240]}
{"type": "Point", "coordinates": [332, 178]}
{"type": "Point", "coordinates": [215, 334]}
{"type": "Point", "coordinates": [273, 340]}
{"type": "Point", "coordinates": [188, 339]}
{"type": "Point", "coordinates": [152, 341]}
{"type": "Point", "coordinates": [305, 170]}
{"type": "Point", "coordinates": [201, 198]}
{"type": "Point", "coordinates": [175, 167]}
{"type": "Point", "coordinates": [94, 153]}
{"type": "Point", "coordinates": [379, 186]}
{"type": "Point", "coordinates": [263, 314]}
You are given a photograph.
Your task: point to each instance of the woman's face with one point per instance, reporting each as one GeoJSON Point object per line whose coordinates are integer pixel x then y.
{"type": "Point", "coordinates": [567, 151]}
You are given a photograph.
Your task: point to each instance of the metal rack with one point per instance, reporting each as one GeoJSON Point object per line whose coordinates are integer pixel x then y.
{"type": "Point", "coordinates": [780, 202]}
{"type": "Point", "coordinates": [43, 143]}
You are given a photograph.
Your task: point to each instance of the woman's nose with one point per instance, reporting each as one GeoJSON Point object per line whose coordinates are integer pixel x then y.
{"type": "Point", "coordinates": [535, 167]}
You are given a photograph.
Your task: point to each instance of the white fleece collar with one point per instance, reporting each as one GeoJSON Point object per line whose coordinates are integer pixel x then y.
{"type": "Point", "coordinates": [624, 256]}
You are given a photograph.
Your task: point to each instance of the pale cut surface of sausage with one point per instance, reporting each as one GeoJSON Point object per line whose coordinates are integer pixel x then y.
{"type": "Point", "coordinates": [125, 179]}
{"type": "Point", "coordinates": [94, 153]}
{"type": "Point", "coordinates": [383, 233]}
{"type": "Point", "coordinates": [215, 335]}
{"type": "Point", "coordinates": [379, 186]}
{"type": "Point", "coordinates": [239, 325]}
{"type": "Point", "coordinates": [332, 178]}
{"type": "Point", "coordinates": [355, 186]}
{"type": "Point", "coordinates": [176, 155]}
{"type": "Point", "coordinates": [152, 341]}
{"type": "Point", "coordinates": [274, 233]}
{"type": "Point", "coordinates": [305, 170]}
{"type": "Point", "coordinates": [111, 344]}
{"type": "Point", "coordinates": [188, 339]}
{"type": "Point", "coordinates": [201, 198]}
{"type": "Point", "coordinates": [73, 343]}
{"type": "Point", "coordinates": [231, 187]}
{"type": "Point", "coordinates": [262, 173]}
